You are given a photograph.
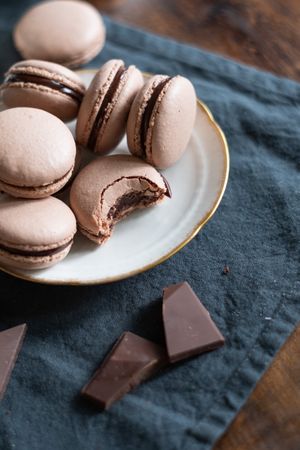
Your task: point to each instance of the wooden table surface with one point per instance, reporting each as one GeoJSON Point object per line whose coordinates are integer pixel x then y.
{"type": "Point", "coordinates": [265, 34]}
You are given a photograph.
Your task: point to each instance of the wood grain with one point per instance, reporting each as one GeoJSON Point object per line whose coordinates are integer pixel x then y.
{"type": "Point", "coordinates": [265, 34]}
{"type": "Point", "coordinates": [262, 33]}
{"type": "Point", "coordinates": [270, 420]}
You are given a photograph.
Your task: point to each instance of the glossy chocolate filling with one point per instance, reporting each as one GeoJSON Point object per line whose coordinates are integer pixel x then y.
{"type": "Point", "coordinates": [49, 252]}
{"type": "Point", "coordinates": [133, 199]}
{"type": "Point", "coordinates": [148, 113]}
{"type": "Point", "coordinates": [124, 203]}
{"type": "Point", "coordinates": [102, 110]}
{"type": "Point", "coordinates": [43, 81]}
{"type": "Point", "coordinates": [119, 210]}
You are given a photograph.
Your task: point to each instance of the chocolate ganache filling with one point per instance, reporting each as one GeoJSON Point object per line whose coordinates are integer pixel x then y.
{"type": "Point", "coordinates": [103, 107]}
{"type": "Point", "coordinates": [127, 201]}
{"type": "Point", "coordinates": [148, 113]}
{"type": "Point", "coordinates": [49, 252]}
{"type": "Point", "coordinates": [43, 81]}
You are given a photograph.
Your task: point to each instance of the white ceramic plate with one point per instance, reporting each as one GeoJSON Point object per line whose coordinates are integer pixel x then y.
{"type": "Point", "coordinates": [149, 237]}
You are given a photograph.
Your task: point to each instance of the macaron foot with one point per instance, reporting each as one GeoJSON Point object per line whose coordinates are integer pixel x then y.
{"type": "Point", "coordinates": [98, 239]}
{"type": "Point", "coordinates": [36, 191]}
{"type": "Point", "coordinates": [33, 262]}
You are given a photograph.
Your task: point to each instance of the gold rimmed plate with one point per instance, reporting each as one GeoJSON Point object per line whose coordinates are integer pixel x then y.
{"type": "Point", "coordinates": [149, 237]}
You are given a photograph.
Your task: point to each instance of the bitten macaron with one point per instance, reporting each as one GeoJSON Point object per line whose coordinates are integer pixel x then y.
{"type": "Point", "coordinates": [37, 153]}
{"type": "Point", "coordinates": [67, 32]}
{"type": "Point", "coordinates": [110, 188]}
{"type": "Point", "coordinates": [161, 120]}
{"type": "Point", "coordinates": [44, 85]}
{"type": "Point", "coordinates": [104, 110]}
{"type": "Point", "coordinates": [35, 234]}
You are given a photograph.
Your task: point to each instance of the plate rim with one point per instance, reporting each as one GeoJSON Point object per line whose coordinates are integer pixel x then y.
{"type": "Point", "coordinates": [171, 252]}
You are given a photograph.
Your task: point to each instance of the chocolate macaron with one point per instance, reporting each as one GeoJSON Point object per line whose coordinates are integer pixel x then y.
{"type": "Point", "coordinates": [67, 32]}
{"type": "Point", "coordinates": [44, 85]}
{"type": "Point", "coordinates": [104, 110]}
{"type": "Point", "coordinates": [161, 120]}
{"type": "Point", "coordinates": [35, 234]}
{"type": "Point", "coordinates": [37, 153]}
{"type": "Point", "coordinates": [111, 187]}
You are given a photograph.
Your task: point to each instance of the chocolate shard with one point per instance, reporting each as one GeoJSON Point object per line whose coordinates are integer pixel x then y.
{"type": "Point", "coordinates": [132, 360]}
{"type": "Point", "coordinates": [189, 329]}
{"type": "Point", "coordinates": [10, 344]}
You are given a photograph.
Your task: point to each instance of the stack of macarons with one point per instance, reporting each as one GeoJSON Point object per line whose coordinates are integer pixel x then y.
{"type": "Point", "coordinates": [37, 150]}
{"type": "Point", "coordinates": [39, 156]}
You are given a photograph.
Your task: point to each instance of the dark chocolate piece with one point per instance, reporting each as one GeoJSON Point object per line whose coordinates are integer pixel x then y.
{"type": "Point", "coordinates": [37, 79]}
{"type": "Point", "coordinates": [10, 344]}
{"type": "Point", "coordinates": [189, 329]}
{"type": "Point", "coordinates": [148, 113]}
{"type": "Point", "coordinates": [132, 360]}
{"type": "Point", "coordinates": [49, 252]}
{"type": "Point", "coordinates": [102, 110]}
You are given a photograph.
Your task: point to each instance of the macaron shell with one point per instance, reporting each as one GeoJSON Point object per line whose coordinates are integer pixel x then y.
{"type": "Point", "coordinates": [49, 69]}
{"type": "Point", "coordinates": [173, 122]}
{"type": "Point", "coordinates": [41, 97]}
{"type": "Point", "coordinates": [35, 225]}
{"type": "Point", "coordinates": [68, 32]}
{"type": "Point", "coordinates": [137, 109]}
{"type": "Point", "coordinates": [32, 262]}
{"type": "Point", "coordinates": [115, 127]}
{"type": "Point", "coordinates": [89, 185]}
{"type": "Point", "coordinates": [93, 99]}
{"type": "Point", "coordinates": [38, 192]}
{"type": "Point", "coordinates": [28, 94]}
{"type": "Point", "coordinates": [36, 148]}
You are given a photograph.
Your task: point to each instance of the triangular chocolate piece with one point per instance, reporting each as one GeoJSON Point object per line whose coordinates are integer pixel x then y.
{"type": "Point", "coordinates": [189, 329]}
{"type": "Point", "coordinates": [10, 345]}
{"type": "Point", "coordinates": [131, 360]}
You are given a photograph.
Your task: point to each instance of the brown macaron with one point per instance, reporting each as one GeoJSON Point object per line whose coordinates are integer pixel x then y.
{"type": "Point", "coordinates": [104, 110]}
{"type": "Point", "coordinates": [161, 120]}
{"type": "Point", "coordinates": [67, 32]}
{"type": "Point", "coordinates": [44, 85]}
{"type": "Point", "coordinates": [37, 153]}
{"type": "Point", "coordinates": [111, 187]}
{"type": "Point", "coordinates": [35, 234]}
